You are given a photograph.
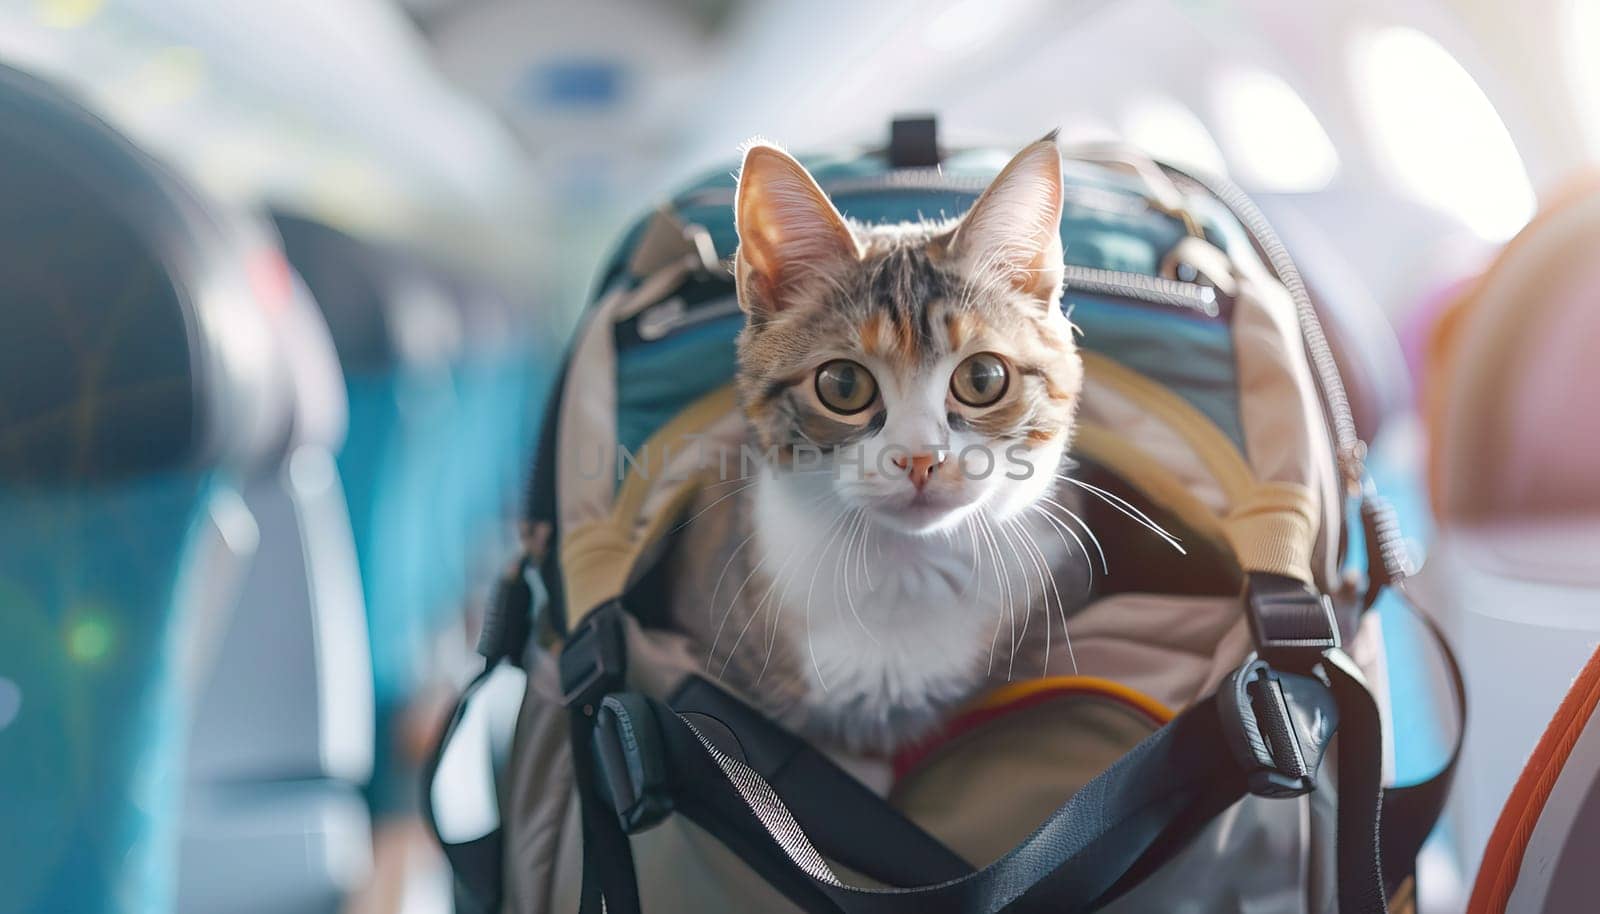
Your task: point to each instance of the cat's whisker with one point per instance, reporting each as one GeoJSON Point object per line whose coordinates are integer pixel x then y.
{"type": "Point", "coordinates": [733, 602]}
{"type": "Point", "coordinates": [1027, 587]}
{"type": "Point", "coordinates": [698, 514]}
{"type": "Point", "coordinates": [1089, 532]}
{"type": "Point", "coordinates": [1061, 605]}
{"type": "Point", "coordinates": [711, 606]}
{"type": "Point", "coordinates": [1129, 509]}
{"type": "Point", "coordinates": [1000, 612]}
{"type": "Point", "coordinates": [755, 613]}
{"type": "Point", "coordinates": [1063, 531]}
{"type": "Point", "coordinates": [861, 561]}
{"type": "Point", "coordinates": [1008, 598]}
{"type": "Point", "coordinates": [1031, 549]}
{"type": "Point", "coordinates": [811, 647]}
{"type": "Point", "coordinates": [775, 613]}
{"type": "Point", "coordinates": [861, 522]}
{"type": "Point", "coordinates": [970, 527]}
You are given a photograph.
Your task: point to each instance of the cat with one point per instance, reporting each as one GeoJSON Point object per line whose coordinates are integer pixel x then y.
{"type": "Point", "coordinates": [914, 388]}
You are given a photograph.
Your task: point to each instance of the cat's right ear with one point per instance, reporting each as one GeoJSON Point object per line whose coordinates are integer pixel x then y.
{"type": "Point", "coordinates": [788, 231]}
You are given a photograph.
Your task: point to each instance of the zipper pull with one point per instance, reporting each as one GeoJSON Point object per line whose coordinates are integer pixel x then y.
{"type": "Point", "coordinates": [1388, 558]}
{"type": "Point", "coordinates": [1352, 460]}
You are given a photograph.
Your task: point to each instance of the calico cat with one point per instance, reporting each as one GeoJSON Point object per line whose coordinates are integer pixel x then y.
{"type": "Point", "coordinates": [914, 389]}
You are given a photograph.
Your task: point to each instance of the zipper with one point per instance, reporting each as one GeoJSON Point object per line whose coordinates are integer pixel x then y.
{"type": "Point", "coordinates": [674, 314]}
{"type": "Point", "coordinates": [662, 320]}
{"type": "Point", "coordinates": [1350, 451]}
{"type": "Point", "coordinates": [1102, 199]}
{"type": "Point", "coordinates": [1151, 290]}
{"type": "Point", "coordinates": [899, 179]}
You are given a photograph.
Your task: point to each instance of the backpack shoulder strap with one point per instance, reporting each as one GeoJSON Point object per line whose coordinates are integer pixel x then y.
{"type": "Point", "coordinates": [1264, 732]}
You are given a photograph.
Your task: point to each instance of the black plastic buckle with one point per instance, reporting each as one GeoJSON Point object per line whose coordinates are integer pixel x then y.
{"type": "Point", "coordinates": [519, 599]}
{"type": "Point", "coordinates": [594, 658]}
{"type": "Point", "coordinates": [633, 771]}
{"type": "Point", "coordinates": [1280, 757]}
{"type": "Point", "coordinates": [1292, 624]}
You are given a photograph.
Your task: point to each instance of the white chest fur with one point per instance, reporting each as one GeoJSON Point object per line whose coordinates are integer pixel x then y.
{"type": "Point", "coordinates": [887, 629]}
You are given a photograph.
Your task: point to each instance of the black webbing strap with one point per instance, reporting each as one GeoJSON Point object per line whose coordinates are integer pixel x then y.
{"type": "Point", "coordinates": [1294, 628]}
{"type": "Point", "coordinates": [1358, 849]}
{"type": "Point", "coordinates": [1411, 812]}
{"type": "Point", "coordinates": [1147, 802]}
{"type": "Point", "coordinates": [847, 822]}
{"type": "Point", "coordinates": [592, 663]}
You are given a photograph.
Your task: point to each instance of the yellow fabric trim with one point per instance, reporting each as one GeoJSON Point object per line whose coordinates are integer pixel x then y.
{"type": "Point", "coordinates": [1224, 461]}
{"type": "Point", "coordinates": [1274, 529]}
{"type": "Point", "coordinates": [1271, 528]}
{"type": "Point", "coordinates": [1013, 692]}
{"type": "Point", "coordinates": [598, 558]}
{"type": "Point", "coordinates": [1148, 475]}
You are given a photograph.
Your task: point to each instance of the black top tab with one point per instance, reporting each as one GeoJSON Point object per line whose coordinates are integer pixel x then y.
{"type": "Point", "coordinates": [914, 142]}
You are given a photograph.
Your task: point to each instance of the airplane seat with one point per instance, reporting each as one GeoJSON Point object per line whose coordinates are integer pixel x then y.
{"type": "Point", "coordinates": [1516, 491]}
{"type": "Point", "coordinates": [282, 734]}
{"type": "Point", "coordinates": [486, 476]}
{"type": "Point", "coordinates": [133, 386]}
{"type": "Point", "coordinates": [1540, 857]}
{"type": "Point", "coordinates": [396, 337]}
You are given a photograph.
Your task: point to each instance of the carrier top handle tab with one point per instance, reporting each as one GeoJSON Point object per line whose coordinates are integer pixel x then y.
{"type": "Point", "coordinates": [914, 141]}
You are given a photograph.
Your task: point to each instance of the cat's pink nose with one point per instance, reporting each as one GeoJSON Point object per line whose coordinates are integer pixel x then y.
{"type": "Point", "coordinates": [919, 467]}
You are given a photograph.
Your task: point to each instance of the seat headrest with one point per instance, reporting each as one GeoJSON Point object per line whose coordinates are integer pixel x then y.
{"type": "Point", "coordinates": [1510, 385]}
{"type": "Point", "coordinates": [99, 377]}
{"type": "Point", "coordinates": [385, 308]}
{"type": "Point", "coordinates": [129, 342]}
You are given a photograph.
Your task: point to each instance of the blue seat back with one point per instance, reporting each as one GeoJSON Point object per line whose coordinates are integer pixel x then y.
{"type": "Point", "coordinates": [103, 484]}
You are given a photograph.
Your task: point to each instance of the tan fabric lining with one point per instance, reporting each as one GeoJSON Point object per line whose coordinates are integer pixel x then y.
{"type": "Point", "coordinates": [1286, 441]}
{"type": "Point", "coordinates": [598, 557]}
{"type": "Point", "coordinates": [1270, 526]}
{"type": "Point", "coordinates": [1208, 441]}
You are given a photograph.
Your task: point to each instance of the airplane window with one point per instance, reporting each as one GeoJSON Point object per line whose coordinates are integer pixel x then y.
{"type": "Point", "coordinates": [1583, 43]}
{"type": "Point", "coordinates": [1272, 139]}
{"type": "Point", "coordinates": [1438, 133]}
{"type": "Point", "coordinates": [1169, 129]}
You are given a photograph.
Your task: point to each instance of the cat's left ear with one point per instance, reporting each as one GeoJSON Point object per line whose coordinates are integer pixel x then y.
{"type": "Point", "coordinates": [789, 231]}
{"type": "Point", "coordinates": [1016, 225]}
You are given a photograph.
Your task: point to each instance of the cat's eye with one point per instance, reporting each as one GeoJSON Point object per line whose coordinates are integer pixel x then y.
{"type": "Point", "coordinates": [845, 387]}
{"type": "Point", "coordinates": [980, 380]}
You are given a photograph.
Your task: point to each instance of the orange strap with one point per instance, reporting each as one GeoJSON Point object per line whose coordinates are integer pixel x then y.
{"type": "Point", "coordinates": [1508, 843]}
{"type": "Point", "coordinates": [1017, 696]}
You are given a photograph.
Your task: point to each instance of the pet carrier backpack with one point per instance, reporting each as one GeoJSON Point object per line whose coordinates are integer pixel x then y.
{"type": "Point", "coordinates": [1182, 769]}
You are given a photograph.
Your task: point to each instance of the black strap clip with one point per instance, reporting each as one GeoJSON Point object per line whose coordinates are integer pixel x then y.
{"type": "Point", "coordinates": [519, 598]}
{"type": "Point", "coordinates": [1293, 625]}
{"type": "Point", "coordinates": [594, 658]}
{"type": "Point", "coordinates": [1278, 726]}
{"type": "Point", "coordinates": [631, 759]}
